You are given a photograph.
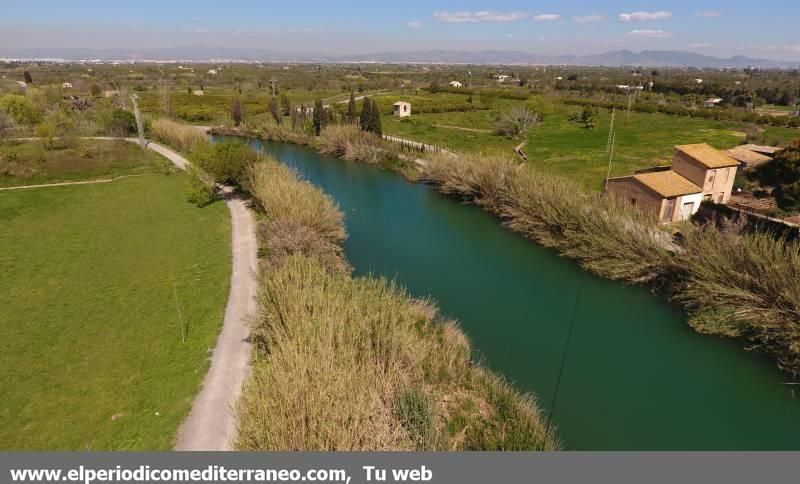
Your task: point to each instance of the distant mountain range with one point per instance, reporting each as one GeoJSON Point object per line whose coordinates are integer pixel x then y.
{"type": "Point", "coordinates": [647, 58]}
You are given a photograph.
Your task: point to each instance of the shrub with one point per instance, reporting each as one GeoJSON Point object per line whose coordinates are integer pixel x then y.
{"type": "Point", "coordinates": [121, 123]}
{"type": "Point", "coordinates": [200, 187]}
{"type": "Point", "coordinates": [20, 108]}
{"type": "Point", "coordinates": [48, 131]}
{"type": "Point", "coordinates": [225, 161]}
{"type": "Point", "coordinates": [349, 142]}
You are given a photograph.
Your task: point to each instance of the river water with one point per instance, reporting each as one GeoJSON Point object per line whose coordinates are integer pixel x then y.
{"type": "Point", "coordinates": [636, 377]}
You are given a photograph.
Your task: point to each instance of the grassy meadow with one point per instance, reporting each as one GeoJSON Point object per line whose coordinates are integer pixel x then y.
{"type": "Point", "coordinates": [96, 282]}
{"type": "Point", "coordinates": [565, 147]}
{"type": "Point", "coordinates": [36, 163]}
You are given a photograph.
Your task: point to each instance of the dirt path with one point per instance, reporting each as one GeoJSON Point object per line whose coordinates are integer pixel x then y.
{"type": "Point", "coordinates": [211, 424]}
{"type": "Point", "coordinates": [64, 184]}
{"type": "Point", "coordinates": [461, 128]}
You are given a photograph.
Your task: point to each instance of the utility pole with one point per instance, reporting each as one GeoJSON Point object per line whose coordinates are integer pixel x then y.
{"type": "Point", "coordinates": [470, 79]}
{"type": "Point", "coordinates": [138, 115]}
{"type": "Point", "coordinates": [612, 138]}
{"type": "Point", "coordinates": [273, 85]}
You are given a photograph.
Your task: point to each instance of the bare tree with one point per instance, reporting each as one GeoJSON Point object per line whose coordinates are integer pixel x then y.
{"type": "Point", "coordinates": [166, 100]}
{"type": "Point", "coordinates": [517, 122]}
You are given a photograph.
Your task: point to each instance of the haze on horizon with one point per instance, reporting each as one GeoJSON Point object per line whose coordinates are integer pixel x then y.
{"type": "Point", "coordinates": [765, 29]}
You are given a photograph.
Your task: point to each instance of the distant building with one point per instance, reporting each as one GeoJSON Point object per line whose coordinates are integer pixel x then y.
{"type": "Point", "coordinates": [501, 77]}
{"type": "Point", "coordinates": [66, 85]}
{"type": "Point", "coordinates": [456, 84]}
{"type": "Point", "coordinates": [764, 150]}
{"type": "Point", "coordinates": [748, 159]}
{"type": "Point", "coordinates": [698, 81]}
{"type": "Point", "coordinates": [199, 92]}
{"type": "Point", "coordinates": [402, 109]}
{"type": "Point", "coordinates": [698, 173]}
{"type": "Point", "coordinates": [713, 102]}
{"type": "Point", "coordinates": [213, 72]}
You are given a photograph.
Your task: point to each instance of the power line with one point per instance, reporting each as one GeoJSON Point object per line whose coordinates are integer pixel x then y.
{"type": "Point", "coordinates": [564, 355]}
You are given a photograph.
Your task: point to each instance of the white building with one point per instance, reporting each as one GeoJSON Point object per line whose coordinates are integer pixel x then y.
{"type": "Point", "coordinates": [402, 109]}
{"type": "Point", "coordinates": [713, 102]}
{"type": "Point", "coordinates": [66, 85]}
{"type": "Point", "coordinates": [456, 84]}
{"type": "Point", "coordinates": [213, 72]}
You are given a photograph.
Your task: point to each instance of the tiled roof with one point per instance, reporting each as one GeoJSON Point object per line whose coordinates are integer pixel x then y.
{"type": "Point", "coordinates": [708, 156]}
{"type": "Point", "coordinates": [668, 183]}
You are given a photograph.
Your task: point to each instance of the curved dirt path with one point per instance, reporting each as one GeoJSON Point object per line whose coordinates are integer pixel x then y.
{"type": "Point", "coordinates": [211, 424]}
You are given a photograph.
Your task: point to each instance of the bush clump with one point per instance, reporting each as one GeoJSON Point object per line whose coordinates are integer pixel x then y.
{"type": "Point", "coordinates": [226, 161]}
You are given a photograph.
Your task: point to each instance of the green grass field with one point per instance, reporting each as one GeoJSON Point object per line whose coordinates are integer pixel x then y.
{"type": "Point", "coordinates": [32, 163]}
{"type": "Point", "coordinates": [91, 351]}
{"type": "Point", "coordinates": [565, 147]}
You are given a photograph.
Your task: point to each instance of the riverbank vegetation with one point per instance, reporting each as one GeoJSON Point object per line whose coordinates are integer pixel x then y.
{"type": "Point", "coordinates": [732, 282]}
{"type": "Point", "coordinates": [111, 296]}
{"type": "Point", "coordinates": [361, 365]}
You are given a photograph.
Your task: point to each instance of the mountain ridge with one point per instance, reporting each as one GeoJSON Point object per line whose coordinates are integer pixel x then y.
{"type": "Point", "coordinates": [619, 58]}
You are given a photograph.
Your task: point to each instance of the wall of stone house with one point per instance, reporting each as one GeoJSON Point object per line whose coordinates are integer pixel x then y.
{"type": "Point", "coordinates": [629, 189]}
{"type": "Point", "coordinates": [689, 168]}
{"type": "Point", "coordinates": [719, 186]}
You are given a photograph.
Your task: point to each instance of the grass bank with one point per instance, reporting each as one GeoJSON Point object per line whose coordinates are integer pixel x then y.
{"type": "Point", "coordinates": [112, 295]}
{"type": "Point", "coordinates": [346, 363]}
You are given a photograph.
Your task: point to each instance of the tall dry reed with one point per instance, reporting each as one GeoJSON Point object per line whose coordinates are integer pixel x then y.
{"type": "Point", "coordinates": [184, 138]}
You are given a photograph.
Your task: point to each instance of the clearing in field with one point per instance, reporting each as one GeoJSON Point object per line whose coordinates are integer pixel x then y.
{"type": "Point", "coordinates": [112, 298]}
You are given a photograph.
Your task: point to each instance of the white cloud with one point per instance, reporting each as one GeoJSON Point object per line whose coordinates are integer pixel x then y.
{"type": "Point", "coordinates": [587, 19]}
{"type": "Point", "coordinates": [644, 16]}
{"type": "Point", "coordinates": [708, 13]}
{"type": "Point", "coordinates": [479, 16]}
{"type": "Point", "coordinates": [547, 17]}
{"type": "Point", "coordinates": [414, 24]}
{"type": "Point", "coordinates": [649, 34]}
{"type": "Point", "coordinates": [700, 45]}
{"type": "Point", "coordinates": [201, 30]}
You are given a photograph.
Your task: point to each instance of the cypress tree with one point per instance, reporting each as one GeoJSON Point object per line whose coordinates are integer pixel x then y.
{"type": "Point", "coordinates": [319, 116]}
{"type": "Point", "coordinates": [366, 109]}
{"type": "Point", "coordinates": [351, 109]}
{"type": "Point", "coordinates": [375, 119]}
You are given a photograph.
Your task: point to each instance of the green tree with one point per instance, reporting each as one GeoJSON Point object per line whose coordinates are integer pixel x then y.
{"type": "Point", "coordinates": [587, 117]}
{"type": "Point", "coordinates": [366, 109]}
{"type": "Point", "coordinates": [96, 90]}
{"type": "Point", "coordinates": [375, 119]}
{"type": "Point", "coordinates": [319, 117]}
{"type": "Point", "coordinates": [20, 108]}
{"type": "Point", "coordinates": [27, 76]}
{"type": "Point", "coordinates": [225, 161]}
{"type": "Point", "coordinates": [351, 109]}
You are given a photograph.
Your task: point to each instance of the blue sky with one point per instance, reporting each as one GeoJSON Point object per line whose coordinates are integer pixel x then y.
{"type": "Point", "coordinates": [766, 28]}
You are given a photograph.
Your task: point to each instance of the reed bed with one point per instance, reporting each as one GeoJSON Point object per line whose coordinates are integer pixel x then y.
{"type": "Point", "coordinates": [349, 142]}
{"type": "Point", "coordinates": [743, 285]}
{"type": "Point", "coordinates": [732, 283]}
{"type": "Point", "coordinates": [345, 363]}
{"type": "Point", "coordinates": [180, 136]}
